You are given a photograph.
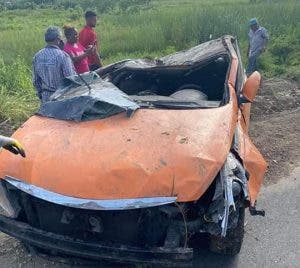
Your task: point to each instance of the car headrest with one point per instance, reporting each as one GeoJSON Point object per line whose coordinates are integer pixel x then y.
{"type": "Point", "coordinates": [192, 95]}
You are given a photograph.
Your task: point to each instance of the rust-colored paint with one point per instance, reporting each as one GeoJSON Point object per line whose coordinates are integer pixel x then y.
{"type": "Point", "coordinates": [254, 163]}
{"type": "Point", "coordinates": [251, 86]}
{"type": "Point", "coordinates": [233, 69]}
{"type": "Point", "coordinates": [252, 83]}
{"type": "Point", "coordinates": [154, 153]}
{"type": "Point", "coordinates": [253, 160]}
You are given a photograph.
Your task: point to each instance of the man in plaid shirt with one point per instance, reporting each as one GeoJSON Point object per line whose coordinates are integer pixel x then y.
{"type": "Point", "coordinates": [51, 65]}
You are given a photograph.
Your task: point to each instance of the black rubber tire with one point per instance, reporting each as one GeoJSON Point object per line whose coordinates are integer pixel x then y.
{"type": "Point", "coordinates": [232, 243]}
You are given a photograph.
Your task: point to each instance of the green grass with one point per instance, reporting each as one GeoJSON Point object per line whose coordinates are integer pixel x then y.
{"type": "Point", "coordinates": [168, 26]}
{"type": "Point", "coordinates": [17, 98]}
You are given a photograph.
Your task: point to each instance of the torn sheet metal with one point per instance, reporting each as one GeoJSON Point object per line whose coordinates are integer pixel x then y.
{"type": "Point", "coordinates": [254, 162]}
{"type": "Point", "coordinates": [6, 208]}
{"type": "Point", "coordinates": [230, 183]}
{"type": "Point", "coordinates": [227, 177]}
{"type": "Point", "coordinates": [92, 204]}
{"type": "Point", "coordinates": [87, 97]}
{"type": "Point", "coordinates": [79, 102]}
{"type": "Point", "coordinates": [181, 60]}
{"type": "Point", "coordinates": [198, 53]}
{"type": "Point", "coordinates": [240, 173]}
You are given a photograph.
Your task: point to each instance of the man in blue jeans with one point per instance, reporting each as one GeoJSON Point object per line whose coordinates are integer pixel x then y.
{"type": "Point", "coordinates": [258, 40]}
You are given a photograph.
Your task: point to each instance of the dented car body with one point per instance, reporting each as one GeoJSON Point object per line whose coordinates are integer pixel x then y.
{"type": "Point", "coordinates": [131, 165]}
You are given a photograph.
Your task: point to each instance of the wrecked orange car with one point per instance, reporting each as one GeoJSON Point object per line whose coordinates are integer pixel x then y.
{"type": "Point", "coordinates": [130, 164]}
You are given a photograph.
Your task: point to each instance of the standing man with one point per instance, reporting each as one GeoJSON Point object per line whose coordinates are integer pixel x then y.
{"type": "Point", "coordinates": [51, 65]}
{"type": "Point", "coordinates": [88, 39]}
{"type": "Point", "coordinates": [258, 40]}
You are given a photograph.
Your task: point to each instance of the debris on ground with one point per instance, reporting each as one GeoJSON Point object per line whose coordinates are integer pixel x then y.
{"type": "Point", "coordinates": [275, 95]}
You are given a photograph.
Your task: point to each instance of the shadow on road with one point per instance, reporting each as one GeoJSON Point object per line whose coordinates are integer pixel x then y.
{"type": "Point", "coordinates": [204, 258]}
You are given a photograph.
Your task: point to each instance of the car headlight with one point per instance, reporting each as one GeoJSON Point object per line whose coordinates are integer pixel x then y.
{"type": "Point", "coordinates": [6, 208]}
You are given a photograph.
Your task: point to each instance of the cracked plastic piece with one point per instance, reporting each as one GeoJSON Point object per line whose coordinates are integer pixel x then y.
{"type": "Point", "coordinates": [227, 177]}
{"type": "Point", "coordinates": [229, 184]}
{"type": "Point", "coordinates": [254, 212]}
{"type": "Point", "coordinates": [240, 173]}
{"type": "Point", "coordinates": [6, 207]}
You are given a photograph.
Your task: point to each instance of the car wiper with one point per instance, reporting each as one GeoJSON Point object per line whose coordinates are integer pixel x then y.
{"type": "Point", "coordinates": [178, 104]}
{"type": "Point", "coordinates": [169, 104]}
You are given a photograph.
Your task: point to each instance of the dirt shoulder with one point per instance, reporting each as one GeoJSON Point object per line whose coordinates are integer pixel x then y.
{"type": "Point", "coordinates": [278, 139]}
{"type": "Point", "coordinates": [275, 126]}
{"type": "Point", "coordinates": [6, 128]}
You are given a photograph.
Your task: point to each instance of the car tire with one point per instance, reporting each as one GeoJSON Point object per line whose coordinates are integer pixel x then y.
{"type": "Point", "coordinates": [230, 244]}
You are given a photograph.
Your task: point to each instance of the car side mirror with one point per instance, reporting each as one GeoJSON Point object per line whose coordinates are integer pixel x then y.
{"type": "Point", "coordinates": [250, 88]}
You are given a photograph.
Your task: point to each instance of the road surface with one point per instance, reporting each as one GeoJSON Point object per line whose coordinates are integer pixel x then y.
{"type": "Point", "coordinates": [272, 241]}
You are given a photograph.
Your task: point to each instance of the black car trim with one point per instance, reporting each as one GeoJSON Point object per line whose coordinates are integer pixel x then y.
{"type": "Point", "coordinates": [122, 254]}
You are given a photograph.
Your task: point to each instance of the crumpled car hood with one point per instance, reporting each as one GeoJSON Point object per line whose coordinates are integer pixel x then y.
{"type": "Point", "coordinates": [154, 153]}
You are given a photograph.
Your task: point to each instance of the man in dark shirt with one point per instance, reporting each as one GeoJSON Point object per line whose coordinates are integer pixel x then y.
{"type": "Point", "coordinates": [88, 39]}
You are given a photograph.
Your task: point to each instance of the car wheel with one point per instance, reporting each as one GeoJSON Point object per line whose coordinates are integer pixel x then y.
{"type": "Point", "coordinates": [230, 244]}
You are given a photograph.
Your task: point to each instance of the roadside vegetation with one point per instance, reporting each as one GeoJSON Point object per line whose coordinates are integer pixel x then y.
{"type": "Point", "coordinates": [131, 28]}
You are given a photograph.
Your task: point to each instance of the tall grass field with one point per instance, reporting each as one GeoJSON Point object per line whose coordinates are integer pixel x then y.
{"type": "Point", "coordinates": [159, 28]}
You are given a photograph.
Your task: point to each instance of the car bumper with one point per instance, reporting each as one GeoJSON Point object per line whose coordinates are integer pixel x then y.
{"type": "Point", "coordinates": [94, 251]}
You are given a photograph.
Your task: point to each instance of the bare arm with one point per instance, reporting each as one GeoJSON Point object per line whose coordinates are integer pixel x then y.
{"type": "Point", "coordinates": [36, 81]}
{"type": "Point", "coordinates": [248, 50]}
{"type": "Point", "coordinates": [266, 37]}
{"type": "Point", "coordinates": [99, 62]}
{"type": "Point", "coordinates": [76, 59]}
{"type": "Point", "coordinates": [265, 45]}
{"type": "Point", "coordinates": [87, 52]}
{"type": "Point", "coordinates": [96, 52]}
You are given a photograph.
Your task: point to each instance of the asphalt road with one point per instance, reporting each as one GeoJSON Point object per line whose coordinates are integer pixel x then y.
{"type": "Point", "coordinates": [272, 241]}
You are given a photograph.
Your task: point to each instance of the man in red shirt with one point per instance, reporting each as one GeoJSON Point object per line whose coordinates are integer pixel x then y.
{"type": "Point", "coordinates": [88, 39]}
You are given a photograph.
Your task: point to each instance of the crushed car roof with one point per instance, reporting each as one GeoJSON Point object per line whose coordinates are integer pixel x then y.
{"type": "Point", "coordinates": [88, 96]}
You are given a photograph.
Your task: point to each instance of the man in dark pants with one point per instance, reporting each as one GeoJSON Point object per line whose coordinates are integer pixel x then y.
{"type": "Point", "coordinates": [258, 40]}
{"type": "Point", "coordinates": [88, 39]}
